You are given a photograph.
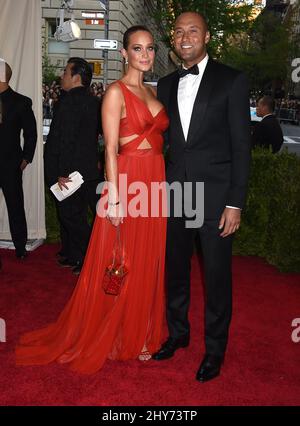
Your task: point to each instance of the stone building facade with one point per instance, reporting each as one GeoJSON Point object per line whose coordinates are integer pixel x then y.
{"type": "Point", "coordinates": [122, 14]}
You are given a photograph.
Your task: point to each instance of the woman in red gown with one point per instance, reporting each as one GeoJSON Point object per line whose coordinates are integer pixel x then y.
{"type": "Point", "coordinates": [95, 326]}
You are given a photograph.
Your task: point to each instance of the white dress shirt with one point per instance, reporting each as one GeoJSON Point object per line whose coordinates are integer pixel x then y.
{"type": "Point", "coordinates": [187, 91]}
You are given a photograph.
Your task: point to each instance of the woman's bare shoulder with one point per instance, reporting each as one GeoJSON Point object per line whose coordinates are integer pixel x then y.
{"type": "Point", "coordinates": [114, 88]}
{"type": "Point", "coordinates": [114, 93]}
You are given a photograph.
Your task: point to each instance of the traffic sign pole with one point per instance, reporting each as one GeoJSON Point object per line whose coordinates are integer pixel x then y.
{"type": "Point", "coordinates": [105, 52]}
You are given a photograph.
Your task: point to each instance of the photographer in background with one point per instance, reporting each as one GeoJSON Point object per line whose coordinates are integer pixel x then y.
{"type": "Point", "coordinates": [267, 131]}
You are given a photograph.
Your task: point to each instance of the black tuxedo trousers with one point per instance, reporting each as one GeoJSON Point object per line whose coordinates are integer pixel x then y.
{"type": "Point", "coordinates": [216, 257]}
{"type": "Point", "coordinates": [11, 184]}
{"type": "Point", "coordinates": [74, 228]}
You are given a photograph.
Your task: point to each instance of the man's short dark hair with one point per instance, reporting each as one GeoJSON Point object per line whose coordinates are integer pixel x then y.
{"type": "Point", "coordinates": [269, 102]}
{"type": "Point", "coordinates": [81, 67]}
{"type": "Point", "coordinates": [199, 14]}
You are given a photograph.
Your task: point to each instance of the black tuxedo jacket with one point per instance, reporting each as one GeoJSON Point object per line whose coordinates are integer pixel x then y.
{"type": "Point", "coordinates": [217, 150]}
{"type": "Point", "coordinates": [268, 132]}
{"type": "Point", "coordinates": [17, 115]}
{"type": "Point", "coordinates": [72, 143]}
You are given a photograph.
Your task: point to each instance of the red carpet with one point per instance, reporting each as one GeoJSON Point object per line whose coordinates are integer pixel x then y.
{"type": "Point", "coordinates": [261, 367]}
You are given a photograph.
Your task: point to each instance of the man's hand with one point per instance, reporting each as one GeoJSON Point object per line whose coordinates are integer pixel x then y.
{"type": "Point", "coordinates": [230, 221]}
{"type": "Point", "coordinates": [23, 165]}
{"type": "Point", "coordinates": [62, 182]}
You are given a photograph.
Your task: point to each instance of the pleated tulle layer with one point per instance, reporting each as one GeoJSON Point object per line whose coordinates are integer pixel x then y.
{"type": "Point", "coordinates": [95, 326]}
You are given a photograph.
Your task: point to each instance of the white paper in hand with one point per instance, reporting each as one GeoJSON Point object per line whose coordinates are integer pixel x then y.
{"type": "Point", "coordinates": [76, 183]}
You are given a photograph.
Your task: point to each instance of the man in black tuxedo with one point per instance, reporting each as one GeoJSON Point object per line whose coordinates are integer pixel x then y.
{"type": "Point", "coordinates": [267, 132]}
{"type": "Point", "coordinates": [72, 145]}
{"type": "Point", "coordinates": [209, 141]}
{"type": "Point", "coordinates": [15, 115]}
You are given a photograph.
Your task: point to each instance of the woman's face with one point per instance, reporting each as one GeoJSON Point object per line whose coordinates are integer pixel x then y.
{"type": "Point", "coordinates": [140, 52]}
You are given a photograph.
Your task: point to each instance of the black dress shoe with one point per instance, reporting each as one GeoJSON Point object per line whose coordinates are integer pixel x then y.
{"type": "Point", "coordinates": [209, 368]}
{"type": "Point", "coordinates": [60, 253]}
{"type": "Point", "coordinates": [21, 254]}
{"type": "Point", "coordinates": [170, 347]}
{"type": "Point", "coordinates": [77, 269]}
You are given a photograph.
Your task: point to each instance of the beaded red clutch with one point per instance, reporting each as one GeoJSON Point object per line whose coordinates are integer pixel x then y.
{"type": "Point", "coordinates": [116, 272]}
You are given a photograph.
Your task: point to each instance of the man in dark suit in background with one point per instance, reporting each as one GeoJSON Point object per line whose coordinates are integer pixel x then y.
{"type": "Point", "coordinates": [209, 141]}
{"type": "Point", "coordinates": [267, 132]}
{"type": "Point", "coordinates": [72, 146]}
{"type": "Point", "coordinates": [15, 115]}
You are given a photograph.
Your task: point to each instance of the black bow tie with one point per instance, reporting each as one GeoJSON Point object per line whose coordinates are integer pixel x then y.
{"type": "Point", "coordinates": [193, 70]}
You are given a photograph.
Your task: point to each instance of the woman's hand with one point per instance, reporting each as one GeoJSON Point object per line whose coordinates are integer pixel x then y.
{"type": "Point", "coordinates": [115, 214]}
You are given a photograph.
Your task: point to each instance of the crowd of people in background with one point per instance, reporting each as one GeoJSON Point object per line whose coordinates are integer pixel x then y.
{"type": "Point", "coordinates": [51, 95]}
{"type": "Point", "coordinates": [284, 109]}
{"type": "Point", "coordinates": [52, 92]}
{"type": "Point", "coordinates": [287, 103]}
{"type": "Point", "coordinates": [97, 89]}
{"type": "Point", "coordinates": [281, 103]}
{"type": "Point", "coordinates": [287, 110]}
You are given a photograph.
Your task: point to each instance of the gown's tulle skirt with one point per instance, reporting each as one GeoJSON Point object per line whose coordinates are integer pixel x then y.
{"type": "Point", "coordinates": [94, 326]}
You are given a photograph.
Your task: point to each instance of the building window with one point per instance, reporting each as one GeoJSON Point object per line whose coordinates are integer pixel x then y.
{"type": "Point", "coordinates": [56, 47]}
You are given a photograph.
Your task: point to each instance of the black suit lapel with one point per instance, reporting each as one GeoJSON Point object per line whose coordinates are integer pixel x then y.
{"type": "Point", "coordinates": [174, 111]}
{"type": "Point", "coordinates": [201, 101]}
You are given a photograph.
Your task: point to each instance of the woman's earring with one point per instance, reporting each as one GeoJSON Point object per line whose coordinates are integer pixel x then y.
{"type": "Point", "coordinates": [125, 65]}
{"type": "Point", "coordinates": [152, 69]}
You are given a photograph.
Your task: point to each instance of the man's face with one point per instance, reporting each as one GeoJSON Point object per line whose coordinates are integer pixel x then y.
{"type": "Point", "coordinates": [190, 38]}
{"type": "Point", "coordinates": [260, 109]}
{"type": "Point", "coordinates": [67, 81]}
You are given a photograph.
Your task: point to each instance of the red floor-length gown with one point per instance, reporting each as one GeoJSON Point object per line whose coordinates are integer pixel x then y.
{"type": "Point", "coordinates": [94, 326]}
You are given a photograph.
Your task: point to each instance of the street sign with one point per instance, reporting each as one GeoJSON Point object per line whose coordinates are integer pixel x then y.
{"type": "Point", "coordinates": [94, 22]}
{"type": "Point", "coordinates": [92, 15]}
{"type": "Point", "coordinates": [105, 44]}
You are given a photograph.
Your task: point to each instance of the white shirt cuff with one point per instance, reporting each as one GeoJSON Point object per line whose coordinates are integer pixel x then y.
{"type": "Point", "coordinates": [235, 208]}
